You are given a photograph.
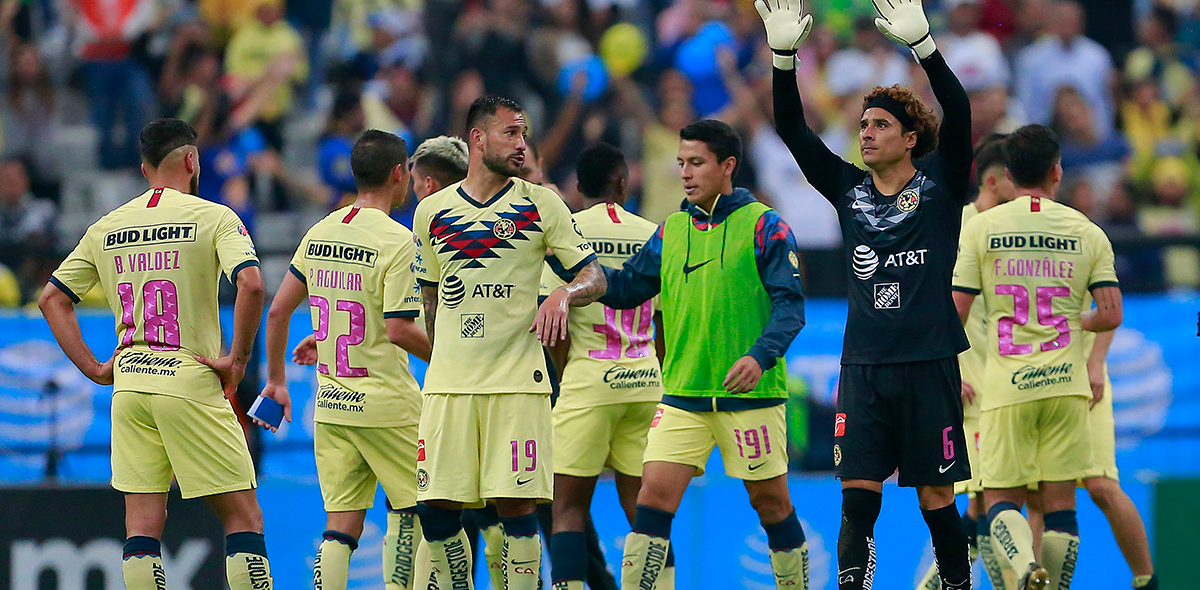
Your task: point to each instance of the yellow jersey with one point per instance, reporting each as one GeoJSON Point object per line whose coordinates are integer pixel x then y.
{"type": "Point", "coordinates": [358, 264]}
{"type": "Point", "coordinates": [486, 260]}
{"type": "Point", "coordinates": [972, 360]}
{"type": "Point", "coordinates": [159, 259]}
{"type": "Point", "coordinates": [1033, 261]}
{"type": "Point", "coordinates": [611, 358]}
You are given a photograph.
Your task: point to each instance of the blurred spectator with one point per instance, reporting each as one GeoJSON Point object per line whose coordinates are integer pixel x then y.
{"type": "Point", "coordinates": [662, 190]}
{"type": "Point", "coordinates": [1173, 213]}
{"type": "Point", "coordinates": [267, 52]}
{"type": "Point", "coordinates": [333, 151]}
{"type": "Point", "coordinates": [396, 102]}
{"type": "Point", "coordinates": [311, 19]}
{"type": "Point", "coordinates": [227, 16]}
{"type": "Point", "coordinates": [492, 41]}
{"type": "Point", "coordinates": [1140, 268]}
{"type": "Point", "coordinates": [974, 56]}
{"type": "Point", "coordinates": [1153, 130]}
{"type": "Point", "coordinates": [1160, 58]}
{"type": "Point", "coordinates": [118, 87]}
{"type": "Point", "coordinates": [10, 288]}
{"type": "Point", "coordinates": [1064, 56]}
{"type": "Point", "coordinates": [27, 236]}
{"type": "Point", "coordinates": [1087, 148]}
{"type": "Point", "coordinates": [871, 61]}
{"type": "Point", "coordinates": [30, 114]}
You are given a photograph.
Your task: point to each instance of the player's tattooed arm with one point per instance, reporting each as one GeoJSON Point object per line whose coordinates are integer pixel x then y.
{"type": "Point", "coordinates": [1108, 313]}
{"type": "Point", "coordinates": [588, 286]}
{"type": "Point", "coordinates": [429, 299]}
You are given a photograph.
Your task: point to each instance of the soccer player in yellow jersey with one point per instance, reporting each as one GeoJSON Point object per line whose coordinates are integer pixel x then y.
{"type": "Point", "coordinates": [355, 270]}
{"type": "Point", "coordinates": [611, 379]}
{"type": "Point", "coordinates": [1034, 262]}
{"type": "Point", "coordinates": [159, 258]}
{"type": "Point", "coordinates": [994, 188]}
{"type": "Point", "coordinates": [486, 421]}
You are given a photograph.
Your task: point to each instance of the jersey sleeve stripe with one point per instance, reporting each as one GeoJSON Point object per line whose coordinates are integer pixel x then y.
{"type": "Point", "coordinates": [1100, 284]}
{"type": "Point", "coordinates": [966, 290]}
{"type": "Point", "coordinates": [61, 287]}
{"type": "Point", "coordinates": [425, 283]}
{"type": "Point", "coordinates": [582, 263]}
{"type": "Point", "coordinates": [238, 268]}
{"type": "Point", "coordinates": [296, 273]}
{"type": "Point", "coordinates": [557, 268]}
{"type": "Point", "coordinates": [412, 313]}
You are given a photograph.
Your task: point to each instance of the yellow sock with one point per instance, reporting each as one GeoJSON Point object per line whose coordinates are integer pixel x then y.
{"type": "Point", "coordinates": [493, 553]}
{"type": "Point", "coordinates": [399, 550]}
{"type": "Point", "coordinates": [1060, 552]}
{"type": "Point", "coordinates": [644, 560]}
{"type": "Point", "coordinates": [451, 563]}
{"type": "Point", "coordinates": [790, 568]}
{"type": "Point", "coordinates": [144, 572]}
{"type": "Point", "coordinates": [522, 562]}
{"type": "Point", "coordinates": [568, 585]}
{"type": "Point", "coordinates": [246, 565]}
{"type": "Point", "coordinates": [1141, 581]}
{"type": "Point", "coordinates": [931, 581]}
{"type": "Point", "coordinates": [247, 571]}
{"type": "Point", "coordinates": [331, 570]}
{"type": "Point", "coordinates": [666, 579]}
{"type": "Point", "coordinates": [1012, 540]}
{"type": "Point", "coordinates": [424, 568]}
{"type": "Point", "coordinates": [997, 572]}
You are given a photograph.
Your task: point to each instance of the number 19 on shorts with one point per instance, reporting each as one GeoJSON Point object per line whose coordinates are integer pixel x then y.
{"type": "Point", "coordinates": [750, 439]}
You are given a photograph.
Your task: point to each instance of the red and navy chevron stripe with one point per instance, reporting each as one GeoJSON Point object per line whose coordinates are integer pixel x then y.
{"type": "Point", "coordinates": [476, 241]}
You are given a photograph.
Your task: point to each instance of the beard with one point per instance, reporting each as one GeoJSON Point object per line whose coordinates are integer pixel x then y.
{"type": "Point", "coordinates": [195, 186]}
{"type": "Point", "coordinates": [502, 165]}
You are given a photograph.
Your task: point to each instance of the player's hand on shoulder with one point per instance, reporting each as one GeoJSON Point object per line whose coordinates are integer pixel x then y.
{"type": "Point", "coordinates": [305, 352]}
{"type": "Point", "coordinates": [279, 393]}
{"type": "Point", "coordinates": [229, 369]}
{"type": "Point", "coordinates": [743, 376]}
{"type": "Point", "coordinates": [550, 323]}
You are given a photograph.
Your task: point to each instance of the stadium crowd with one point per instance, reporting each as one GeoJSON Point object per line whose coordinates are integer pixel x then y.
{"type": "Point", "coordinates": [279, 90]}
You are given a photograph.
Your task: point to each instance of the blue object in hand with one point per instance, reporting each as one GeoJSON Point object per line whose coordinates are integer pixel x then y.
{"type": "Point", "coordinates": [594, 71]}
{"type": "Point", "coordinates": [267, 410]}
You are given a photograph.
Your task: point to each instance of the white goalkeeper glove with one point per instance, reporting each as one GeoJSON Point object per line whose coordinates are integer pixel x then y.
{"type": "Point", "coordinates": [786, 30]}
{"type": "Point", "coordinates": [904, 22]}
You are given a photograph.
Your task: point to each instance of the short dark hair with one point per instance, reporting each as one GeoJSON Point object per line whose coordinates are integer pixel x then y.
{"type": "Point", "coordinates": [595, 168]}
{"type": "Point", "coordinates": [374, 156]}
{"type": "Point", "coordinates": [989, 153]}
{"type": "Point", "coordinates": [1030, 154]}
{"type": "Point", "coordinates": [720, 138]}
{"type": "Point", "coordinates": [162, 137]}
{"type": "Point", "coordinates": [486, 106]}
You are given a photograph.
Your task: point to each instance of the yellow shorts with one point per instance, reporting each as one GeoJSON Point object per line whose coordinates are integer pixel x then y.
{"type": "Point", "coordinates": [479, 447]}
{"type": "Point", "coordinates": [351, 459]}
{"type": "Point", "coordinates": [1104, 438]}
{"type": "Point", "coordinates": [753, 443]}
{"type": "Point", "coordinates": [586, 440]}
{"type": "Point", "coordinates": [971, 432]}
{"type": "Point", "coordinates": [1039, 440]}
{"type": "Point", "coordinates": [159, 437]}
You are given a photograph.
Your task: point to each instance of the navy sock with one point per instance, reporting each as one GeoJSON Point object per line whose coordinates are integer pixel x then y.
{"type": "Point", "coordinates": [653, 522]}
{"type": "Point", "coordinates": [135, 546]}
{"type": "Point", "coordinates": [1063, 521]}
{"type": "Point", "coordinates": [786, 534]}
{"type": "Point", "coordinates": [253, 543]}
{"type": "Point", "coordinates": [949, 537]}
{"type": "Point", "coordinates": [1000, 507]}
{"type": "Point", "coordinates": [485, 517]}
{"type": "Point", "coordinates": [521, 526]}
{"type": "Point", "coordinates": [971, 527]}
{"type": "Point", "coordinates": [438, 524]}
{"type": "Point", "coordinates": [568, 556]}
{"type": "Point", "coordinates": [671, 557]}
{"type": "Point", "coordinates": [340, 537]}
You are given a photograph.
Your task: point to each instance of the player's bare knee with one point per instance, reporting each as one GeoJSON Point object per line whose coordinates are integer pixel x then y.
{"type": "Point", "coordinates": [514, 507]}
{"type": "Point", "coordinates": [770, 500]}
{"type": "Point", "coordinates": [935, 497]}
{"type": "Point", "coordinates": [1103, 492]}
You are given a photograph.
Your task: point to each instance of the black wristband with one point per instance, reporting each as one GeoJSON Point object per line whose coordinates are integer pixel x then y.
{"type": "Point", "coordinates": [786, 52]}
{"type": "Point", "coordinates": [917, 42]}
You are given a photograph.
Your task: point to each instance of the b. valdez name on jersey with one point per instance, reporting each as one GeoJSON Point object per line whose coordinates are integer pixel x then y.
{"type": "Point", "coordinates": [886, 295]}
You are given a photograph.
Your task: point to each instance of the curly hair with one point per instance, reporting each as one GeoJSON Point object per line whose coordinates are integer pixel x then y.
{"type": "Point", "coordinates": [925, 123]}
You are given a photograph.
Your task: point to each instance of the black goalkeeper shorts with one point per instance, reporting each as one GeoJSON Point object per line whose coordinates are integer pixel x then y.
{"type": "Point", "coordinates": [905, 416]}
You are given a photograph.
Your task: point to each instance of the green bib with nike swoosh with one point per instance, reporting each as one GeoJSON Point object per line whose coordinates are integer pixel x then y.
{"type": "Point", "coordinates": [714, 305]}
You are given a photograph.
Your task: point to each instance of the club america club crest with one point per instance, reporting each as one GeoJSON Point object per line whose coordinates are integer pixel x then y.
{"type": "Point", "coordinates": [908, 200]}
{"type": "Point", "coordinates": [504, 229]}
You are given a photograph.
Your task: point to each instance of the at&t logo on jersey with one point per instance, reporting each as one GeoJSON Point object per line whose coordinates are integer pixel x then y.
{"type": "Point", "coordinates": [453, 291]}
{"type": "Point", "coordinates": [887, 296]}
{"type": "Point", "coordinates": [865, 262]}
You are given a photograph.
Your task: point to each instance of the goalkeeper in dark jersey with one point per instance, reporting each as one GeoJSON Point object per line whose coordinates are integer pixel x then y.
{"type": "Point", "coordinates": [899, 404]}
{"type": "Point", "coordinates": [728, 273]}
